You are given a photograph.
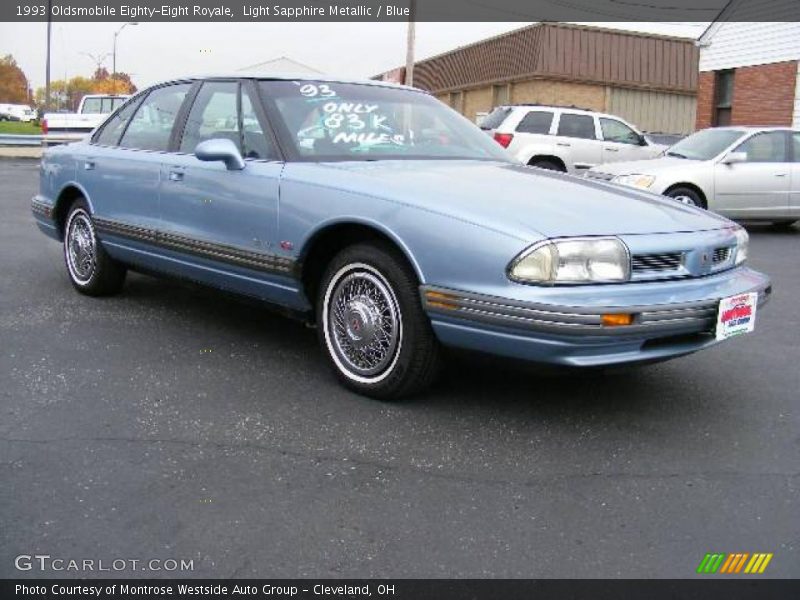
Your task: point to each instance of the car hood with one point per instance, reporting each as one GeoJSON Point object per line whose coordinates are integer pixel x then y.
{"type": "Point", "coordinates": [654, 166]}
{"type": "Point", "coordinates": [524, 201]}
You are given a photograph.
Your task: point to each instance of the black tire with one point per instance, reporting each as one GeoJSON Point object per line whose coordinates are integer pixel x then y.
{"type": "Point", "coordinates": [687, 196]}
{"type": "Point", "coordinates": [783, 225]}
{"type": "Point", "coordinates": [90, 269]}
{"type": "Point", "coordinates": [550, 165]}
{"type": "Point", "coordinates": [377, 295]}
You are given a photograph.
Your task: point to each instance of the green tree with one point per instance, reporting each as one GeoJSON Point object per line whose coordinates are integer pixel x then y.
{"type": "Point", "coordinates": [13, 83]}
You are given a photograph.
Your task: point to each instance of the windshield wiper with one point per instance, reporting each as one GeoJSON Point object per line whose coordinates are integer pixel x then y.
{"type": "Point", "coordinates": [677, 155]}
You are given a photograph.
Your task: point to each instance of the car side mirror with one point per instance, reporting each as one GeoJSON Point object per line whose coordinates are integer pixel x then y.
{"type": "Point", "coordinates": [642, 140]}
{"type": "Point", "coordinates": [734, 157]}
{"type": "Point", "coordinates": [220, 149]}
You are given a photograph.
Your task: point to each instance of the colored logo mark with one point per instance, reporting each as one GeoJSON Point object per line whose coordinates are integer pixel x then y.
{"type": "Point", "coordinates": [740, 562]}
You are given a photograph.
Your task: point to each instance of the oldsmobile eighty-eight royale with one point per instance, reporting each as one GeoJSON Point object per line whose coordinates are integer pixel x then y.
{"type": "Point", "coordinates": [395, 225]}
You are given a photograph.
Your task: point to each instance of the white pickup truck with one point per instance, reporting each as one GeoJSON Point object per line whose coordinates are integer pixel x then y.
{"type": "Point", "coordinates": [61, 128]}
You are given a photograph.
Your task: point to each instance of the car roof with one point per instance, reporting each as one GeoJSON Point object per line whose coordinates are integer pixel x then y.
{"type": "Point", "coordinates": [752, 128]}
{"type": "Point", "coordinates": [295, 77]}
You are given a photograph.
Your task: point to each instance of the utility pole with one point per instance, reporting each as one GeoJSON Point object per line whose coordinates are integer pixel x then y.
{"type": "Point", "coordinates": [410, 40]}
{"type": "Point", "coordinates": [114, 54]}
{"type": "Point", "coordinates": [47, 68]}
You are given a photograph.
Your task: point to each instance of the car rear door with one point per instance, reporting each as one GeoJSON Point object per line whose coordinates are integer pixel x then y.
{"type": "Point", "coordinates": [758, 187]}
{"type": "Point", "coordinates": [121, 169]}
{"type": "Point", "coordinates": [221, 215]}
{"type": "Point", "coordinates": [578, 139]}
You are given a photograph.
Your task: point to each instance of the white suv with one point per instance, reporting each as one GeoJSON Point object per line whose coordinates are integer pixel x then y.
{"type": "Point", "coordinates": [566, 138]}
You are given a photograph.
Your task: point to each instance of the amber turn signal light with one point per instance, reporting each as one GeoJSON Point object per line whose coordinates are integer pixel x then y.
{"type": "Point", "coordinates": [617, 319]}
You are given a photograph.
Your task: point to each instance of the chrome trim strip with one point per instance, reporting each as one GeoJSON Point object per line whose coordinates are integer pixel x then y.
{"type": "Point", "coordinates": [173, 241]}
{"type": "Point", "coordinates": [664, 320]}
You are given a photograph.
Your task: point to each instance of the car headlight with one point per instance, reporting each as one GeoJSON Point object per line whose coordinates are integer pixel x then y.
{"type": "Point", "coordinates": [573, 260]}
{"type": "Point", "coordinates": [742, 244]}
{"type": "Point", "coordinates": [635, 180]}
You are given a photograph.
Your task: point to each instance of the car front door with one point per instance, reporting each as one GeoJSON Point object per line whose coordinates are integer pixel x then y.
{"type": "Point", "coordinates": [759, 186]}
{"type": "Point", "coordinates": [228, 216]}
{"type": "Point", "coordinates": [578, 139]}
{"type": "Point", "coordinates": [120, 171]}
{"type": "Point", "coordinates": [620, 142]}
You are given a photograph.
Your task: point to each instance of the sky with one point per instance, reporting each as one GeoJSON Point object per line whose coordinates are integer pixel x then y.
{"type": "Point", "coordinates": [151, 52]}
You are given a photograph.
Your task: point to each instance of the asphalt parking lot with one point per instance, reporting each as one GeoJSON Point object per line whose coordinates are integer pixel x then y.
{"type": "Point", "coordinates": [175, 422]}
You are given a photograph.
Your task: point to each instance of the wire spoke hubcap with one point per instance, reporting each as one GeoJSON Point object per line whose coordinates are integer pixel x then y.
{"type": "Point", "coordinates": [363, 322]}
{"type": "Point", "coordinates": [80, 247]}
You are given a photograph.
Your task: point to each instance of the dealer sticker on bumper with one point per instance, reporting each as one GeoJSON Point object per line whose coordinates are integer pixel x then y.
{"type": "Point", "coordinates": [737, 314]}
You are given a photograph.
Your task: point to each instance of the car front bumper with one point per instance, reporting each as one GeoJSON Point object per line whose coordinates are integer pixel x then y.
{"type": "Point", "coordinates": [670, 318]}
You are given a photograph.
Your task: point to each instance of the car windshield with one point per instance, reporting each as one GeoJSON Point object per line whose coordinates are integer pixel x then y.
{"type": "Point", "coordinates": [705, 144]}
{"type": "Point", "coordinates": [345, 121]}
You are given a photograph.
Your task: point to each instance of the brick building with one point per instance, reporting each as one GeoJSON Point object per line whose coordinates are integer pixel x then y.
{"type": "Point", "coordinates": [650, 80]}
{"type": "Point", "coordinates": [749, 69]}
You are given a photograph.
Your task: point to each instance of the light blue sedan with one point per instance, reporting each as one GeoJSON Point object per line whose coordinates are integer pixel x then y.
{"type": "Point", "coordinates": [395, 225]}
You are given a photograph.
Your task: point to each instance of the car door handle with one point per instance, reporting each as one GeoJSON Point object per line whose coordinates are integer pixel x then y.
{"type": "Point", "coordinates": [564, 144]}
{"type": "Point", "coordinates": [176, 175]}
{"type": "Point", "coordinates": [611, 149]}
{"type": "Point", "coordinates": [89, 165]}
{"type": "Point", "coordinates": [780, 174]}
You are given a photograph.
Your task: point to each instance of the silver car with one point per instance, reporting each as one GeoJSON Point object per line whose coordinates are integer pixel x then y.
{"type": "Point", "coordinates": [744, 173]}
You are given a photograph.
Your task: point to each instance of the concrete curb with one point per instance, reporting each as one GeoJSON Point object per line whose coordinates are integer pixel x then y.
{"type": "Point", "coordinates": [20, 152]}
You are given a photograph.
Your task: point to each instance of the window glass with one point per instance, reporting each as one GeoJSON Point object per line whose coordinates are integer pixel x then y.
{"type": "Point", "coordinates": [151, 126]}
{"type": "Point", "coordinates": [765, 147]}
{"type": "Point", "coordinates": [617, 131]}
{"type": "Point", "coordinates": [344, 121]}
{"type": "Point", "coordinates": [213, 115]}
{"type": "Point", "coordinates": [577, 126]}
{"type": "Point", "coordinates": [705, 144]}
{"type": "Point", "coordinates": [255, 143]}
{"type": "Point", "coordinates": [109, 135]}
{"type": "Point", "coordinates": [796, 138]}
{"type": "Point", "coordinates": [536, 121]}
{"type": "Point", "coordinates": [117, 102]}
{"type": "Point", "coordinates": [92, 106]}
{"type": "Point", "coordinates": [495, 118]}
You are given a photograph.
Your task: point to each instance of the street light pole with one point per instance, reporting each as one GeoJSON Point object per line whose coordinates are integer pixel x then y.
{"type": "Point", "coordinates": [47, 67]}
{"type": "Point", "coordinates": [114, 53]}
{"type": "Point", "coordinates": [410, 40]}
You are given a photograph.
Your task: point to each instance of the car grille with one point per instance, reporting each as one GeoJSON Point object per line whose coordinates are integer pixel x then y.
{"type": "Point", "coordinates": [721, 255]}
{"type": "Point", "coordinates": [649, 263]}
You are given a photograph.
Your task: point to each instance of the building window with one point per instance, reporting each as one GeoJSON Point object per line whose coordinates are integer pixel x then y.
{"type": "Point", "coordinates": [457, 101]}
{"type": "Point", "coordinates": [501, 95]}
{"type": "Point", "coordinates": [724, 99]}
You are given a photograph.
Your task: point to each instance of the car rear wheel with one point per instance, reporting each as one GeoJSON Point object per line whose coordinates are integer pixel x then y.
{"type": "Point", "coordinates": [371, 324]}
{"type": "Point", "coordinates": [90, 269]}
{"type": "Point", "coordinates": [687, 196]}
{"type": "Point", "coordinates": [547, 164]}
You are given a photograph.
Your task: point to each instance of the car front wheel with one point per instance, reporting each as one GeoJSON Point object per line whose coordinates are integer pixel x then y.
{"type": "Point", "coordinates": [687, 195]}
{"type": "Point", "coordinates": [372, 326]}
{"type": "Point", "coordinates": [90, 269]}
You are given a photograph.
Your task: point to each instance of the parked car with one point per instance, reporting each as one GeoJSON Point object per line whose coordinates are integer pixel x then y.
{"type": "Point", "coordinates": [566, 138]}
{"type": "Point", "coordinates": [16, 112]}
{"type": "Point", "coordinates": [392, 223]}
{"type": "Point", "coordinates": [749, 173]}
{"type": "Point", "coordinates": [64, 127]}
